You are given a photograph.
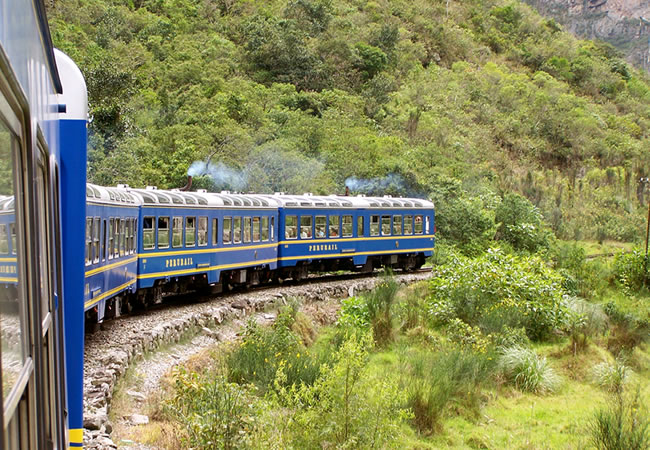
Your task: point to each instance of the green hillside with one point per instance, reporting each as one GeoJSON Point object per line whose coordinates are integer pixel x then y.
{"type": "Point", "coordinates": [461, 101]}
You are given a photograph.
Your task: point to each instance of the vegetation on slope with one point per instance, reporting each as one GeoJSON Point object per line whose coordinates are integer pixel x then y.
{"type": "Point", "coordinates": [461, 101]}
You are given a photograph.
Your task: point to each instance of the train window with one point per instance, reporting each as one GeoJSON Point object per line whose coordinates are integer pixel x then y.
{"type": "Point", "coordinates": [190, 231]}
{"type": "Point", "coordinates": [321, 226]}
{"type": "Point", "coordinates": [96, 240]}
{"type": "Point", "coordinates": [116, 233]}
{"type": "Point", "coordinates": [265, 229]}
{"type": "Point", "coordinates": [148, 231]}
{"type": "Point", "coordinates": [4, 239]}
{"type": "Point", "coordinates": [215, 231]}
{"type": "Point", "coordinates": [408, 225]}
{"type": "Point", "coordinates": [385, 225]}
{"type": "Point", "coordinates": [247, 229]}
{"type": "Point", "coordinates": [374, 225]}
{"type": "Point", "coordinates": [256, 229]}
{"type": "Point", "coordinates": [131, 233]}
{"type": "Point", "coordinates": [397, 225]}
{"type": "Point", "coordinates": [291, 227]}
{"type": "Point", "coordinates": [203, 231]}
{"type": "Point", "coordinates": [122, 236]}
{"type": "Point", "coordinates": [347, 226]}
{"type": "Point", "coordinates": [305, 227]}
{"type": "Point", "coordinates": [427, 226]}
{"type": "Point", "coordinates": [177, 232]}
{"type": "Point", "coordinates": [89, 227]}
{"type": "Point", "coordinates": [227, 230]}
{"type": "Point", "coordinates": [163, 232]}
{"type": "Point", "coordinates": [111, 239]}
{"type": "Point", "coordinates": [104, 239]}
{"type": "Point", "coordinates": [135, 235]}
{"type": "Point", "coordinates": [359, 226]}
{"type": "Point", "coordinates": [272, 228]}
{"type": "Point", "coordinates": [12, 231]}
{"type": "Point", "coordinates": [133, 228]}
{"type": "Point", "coordinates": [418, 224]}
{"type": "Point", "coordinates": [237, 230]}
{"type": "Point", "coordinates": [334, 227]}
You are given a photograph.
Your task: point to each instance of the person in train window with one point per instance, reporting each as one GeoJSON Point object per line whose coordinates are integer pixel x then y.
{"type": "Point", "coordinates": [320, 232]}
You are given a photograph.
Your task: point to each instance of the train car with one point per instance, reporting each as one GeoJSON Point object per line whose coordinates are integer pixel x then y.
{"type": "Point", "coordinates": [111, 259]}
{"type": "Point", "coordinates": [204, 241]}
{"type": "Point", "coordinates": [35, 82]}
{"type": "Point", "coordinates": [320, 233]}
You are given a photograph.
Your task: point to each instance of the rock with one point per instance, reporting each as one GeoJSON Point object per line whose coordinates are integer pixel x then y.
{"type": "Point", "coordinates": [138, 419]}
{"type": "Point", "coordinates": [136, 395]}
{"type": "Point", "coordinates": [351, 291]}
{"type": "Point", "coordinates": [95, 421]}
{"type": "Point", "coordinates": [239, 304]}
{"type": "Point", "coordinates": [207, 332]}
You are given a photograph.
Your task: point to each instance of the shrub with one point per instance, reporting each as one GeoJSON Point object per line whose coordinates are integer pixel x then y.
{"type": "Point", "coordinates": [498, 290]}
{"type": "Point", "coordinates": [527, 371]}
{"type": "Point", "coordinates": [623, 425]}
{"type": "Point", "coordinates": [611, 377]}
{"type": "Point", "coordinates": [630, 270]}
{"type": "Point", "coordinates": [520, 224]}
{"type": "Point", "coordinates": [435, 380]}
{"type": "Point", "coordinates": [214, 413]}
{"type": "Point", "coordinates": [262, 350]}
{"type": "Point", "coordinates": [584, 321]}
{"type": "Point", "coordinates": [628, 331]}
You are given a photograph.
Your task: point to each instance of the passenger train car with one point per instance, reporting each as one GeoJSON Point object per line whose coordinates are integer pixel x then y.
{"type": "Point", "coordinates": [42, 107]}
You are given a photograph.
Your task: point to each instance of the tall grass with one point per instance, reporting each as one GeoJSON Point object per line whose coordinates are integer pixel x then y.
{"type": "Point", "coordinates": [437, 380]}
{"type": "Point", "coordinates": [611, 377]}
{"type": "Point", "coordinates": [623, 425]}
{"type": "Point", "coordinates": [527, 371]}
{"type": "Point", "coordinates": [380, 303]}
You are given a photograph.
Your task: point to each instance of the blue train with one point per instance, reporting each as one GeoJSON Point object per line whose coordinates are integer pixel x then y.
{"type": "Point", "coordinates": [74, 254]}
{"type": "Point", "coordinates": [144, 243]}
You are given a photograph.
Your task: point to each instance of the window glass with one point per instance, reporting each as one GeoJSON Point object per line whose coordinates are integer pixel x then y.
{"type": "Point", "coordinates": [418, 224]}
{"type": "Point", "coordinates": [397, 225]}
{"type": "Point", "coordinates": [12, 327]}
{"type": "Point", "coordinates": [334, 227]}
{"type": "Point", "coordinates": [237, 230]}
{"type": "Point", "coordinates": [247, 229]}
{"type": "Point", "coordinates": [190, 231]}
{"type": "Point", "coordinates": [111, 239]}
{"type": "Point", "coordinates": [385, 225]}
{"type": "Point", "coordinates": [122, 236]}
{"type": "Point", "coordinates": [127, 244]}
{"type": "Point", "coordinates": [96, 239]}
{"type": "Point", "coordinates": [347, 226]}
{"type": "Point", "coordinates": [359, 226]}
{"type": "Point", "coordinates": [104, 239]}
{"type": "Point", "coordinates": [203, 231]}
{"type": "Point", "coordinates": [4, 239]}
{"type": "Point", "coordinates": [163, 232]}
{"type": "Point", "coordinates": [116, 233]}
{"type": "Point", "coordinates": [321, 227]}
{"type": "Point", "coordinates": [426, 225]}
{"type": "Point", "coordinates": [256, 229]}
{"type": "Point", "coordinates": [177, 232]}
{"type": "Point", "coordinates": [291, 227]}
{"type": "Point", "coordinates": [272, 228]}
{"type": "Point", "coordinates": [89, 225]}
{"type": "Point", "coordinates": [305, 227]}
{"type": "Point", "coordinates": [227, 230]}
{"type": "Point", "coordinates": [265, 229]}
{"type": "Point", "coordinates": [215, 231]}
{"type": "Point", "coordinates": [374, 225]}
{"type": "Point", "coordinates": [148, 231]}
{"type": "Point", "coordinates": [408, 225]}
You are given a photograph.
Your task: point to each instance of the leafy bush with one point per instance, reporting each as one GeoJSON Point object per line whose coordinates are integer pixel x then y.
{"type": "Point", "coordinates": [498, 290]}
{"type": "Point", "coordinates": [435, 379]}
{"type": "Point", "coordinates": [630, 270]}
{"type": "Point", "coordinates": [527, 371]}
{"type": "Point", "coordinates": [611, 377]}
{"type": "Point", "coordinates": [628, 331]}
{"type": "Point", "coordinates": [624, 425]}
{"type": "Point", "coordinates": [347, 407]}
{"type": "Point", "coordinates": [214, 413]}
{"type": "Point", "coordinates": [520, 224]}
{"type": "Point", "coordinates": [584, 321]}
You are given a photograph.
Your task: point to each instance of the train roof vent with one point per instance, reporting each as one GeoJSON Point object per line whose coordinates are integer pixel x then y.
{"type": "Point", "coordinates": [147, 198]}
{"type": "Point", "coordinates": [89, 192]}
{"type": "Point", "coordinates": [151, 188]}
{"type": "Point", "coordinates": [320, 204]}
{"type": "Point", "coordinates": [385, 204]}
{"type": "Point", "coordinates": [225, 192]}
{"type": "Point", "coordinates": [396, 203]}
{"type": "Point", "coordinates": [307, 194]}
{"type": "Point", "coordinates": [264, 202]}
{"type": "Point", "coordinates": [123, 186]}
{"type": "Point", "coordinates": [279, 193]}
{"type": "Point", "coordinates": [407, 204]}
{"type": "Point", "coordinates": [189, 199]}
{"type": "Point", "coordinates": [333, 204]}
{"type": "Point", "coordinates": [256, 202]}
{"type": "Point", "coordinates": [374, 204]}
{"type": "Point", "coordinates": [226, 201]}
{"type": "Point", "coordinates": [388, 196]}
{"type": "Point", "coordinates": [346, 203]}
{"type": "Point", "coordinates": [202, 191]}
{"type": "Point", "coordinates": [111, 195]}
{"type": "Point", "coordinates": [176, 199]}
{"type": "Point", "coordinates": [291, 204]}
{"type": "Point", "coordinates": [202, 201]}
{"type": "Point", "coordinates": [417, 203]}
{"type": "Point", "coordinates": [361, 195]}
{"type": "Point", "coordinates": [247, 202]}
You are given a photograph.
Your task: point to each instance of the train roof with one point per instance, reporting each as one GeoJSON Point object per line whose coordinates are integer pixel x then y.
{"type": "Point", "coordinates": [113, 195]}
{"type": "Point", "coordinates": [202, 198]}
{"type": "Point", "coordinates": [340, 201]}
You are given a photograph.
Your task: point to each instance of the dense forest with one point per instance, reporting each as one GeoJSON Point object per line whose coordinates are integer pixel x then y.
{"type": "Point", "coordinates": [465, 102]}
